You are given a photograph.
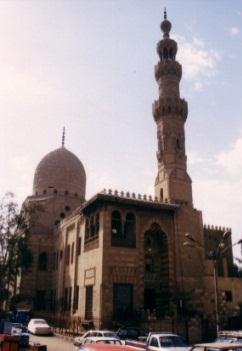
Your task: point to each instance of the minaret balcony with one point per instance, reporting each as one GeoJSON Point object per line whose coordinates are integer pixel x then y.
{"type": "Point", "coordinates": [164, 68]}
{"type": "Point", "coordinates": [167, 49]}
{"type": "Point", "coordinates": [169, 106]}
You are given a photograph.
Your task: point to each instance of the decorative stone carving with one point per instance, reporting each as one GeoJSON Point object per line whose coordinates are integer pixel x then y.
{"type": "Point", "coordinates": [168, 68]}
{"type": "Point", "coordinates": [160, 152]}
{"type": "Point", "coordinates": [164, 107]}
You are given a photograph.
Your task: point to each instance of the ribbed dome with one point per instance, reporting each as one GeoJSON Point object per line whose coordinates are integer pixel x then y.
{"type": "Point", "coordinates": [60, 171]}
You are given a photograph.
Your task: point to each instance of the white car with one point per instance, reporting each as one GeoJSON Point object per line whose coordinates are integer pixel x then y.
{"type": "Point", "coordinates": [165, 341]}
{"type": "Point", "coordinates": [39, 327]}
{"type": "Point", "coordinates": [102, 340]}
{"type": "Point", "coordinates": [160, 342]}
{"type": "Point", "coordinates": [79, 340]}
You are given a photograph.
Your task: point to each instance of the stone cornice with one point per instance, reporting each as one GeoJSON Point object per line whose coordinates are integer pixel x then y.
{"type": "Point", "coordinates": [116, 197]}
{"type": "Point", "coordinates": [169, 106]}
{"type": "Point", "coordinates": [164, 68]}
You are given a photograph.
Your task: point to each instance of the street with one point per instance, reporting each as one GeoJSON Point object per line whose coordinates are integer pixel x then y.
{"type": "Point", "coordinates": [53, 343]}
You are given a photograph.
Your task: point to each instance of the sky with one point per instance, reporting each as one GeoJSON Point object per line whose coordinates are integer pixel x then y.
{"type": "Point", "coordinates": [88, 65]}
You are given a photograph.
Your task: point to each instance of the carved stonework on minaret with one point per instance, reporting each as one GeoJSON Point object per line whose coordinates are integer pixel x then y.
{"type": "Point", "coordinates": [160, 152]}
{"type": "Point", "coordinates": [170, 114]}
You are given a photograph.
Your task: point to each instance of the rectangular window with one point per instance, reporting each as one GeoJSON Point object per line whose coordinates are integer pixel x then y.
{"type": "Point", "coordinates": [67, 255]}
{"type": "Point", "coordinates": [89, 303]}
{"type": "Point", "coordinates": [65, 301]}
{"type": "Point", "coordinates": [69, 298]}
{"type": "Point", "coordinates": [79, 242]}
{"type": "Point", "coordinates": [40, 300]}
{"type": "Point", "coordinates": [72, 253]}
{"type": "Point", "coordinates": [228, 296]}
{"type": "Point", "coordinates": [76, 298]}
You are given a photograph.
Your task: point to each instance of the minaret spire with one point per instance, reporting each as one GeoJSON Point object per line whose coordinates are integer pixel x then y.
{"type": "Point", "coordinates": [170, 113]}
{"type": "Point", "coordinates": [63, 137]}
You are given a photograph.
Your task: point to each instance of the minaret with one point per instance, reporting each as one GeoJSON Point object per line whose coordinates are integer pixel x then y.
{"type": "Point", "coordinates": [170, 113]}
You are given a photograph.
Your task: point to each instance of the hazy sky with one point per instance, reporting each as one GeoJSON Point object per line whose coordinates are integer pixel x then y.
{"type": "Point", "coordinates": [88, 65]}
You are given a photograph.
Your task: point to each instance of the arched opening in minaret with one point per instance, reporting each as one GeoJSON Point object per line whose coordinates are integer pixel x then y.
{"type": "Point", "coordinates": [171, 54]}
{"type": "Point", "coordinates": [165, 54]}
{"type": "Point", "coordinates": [156, 271]}
{"type": "Point", "coordinates": [161, 194]}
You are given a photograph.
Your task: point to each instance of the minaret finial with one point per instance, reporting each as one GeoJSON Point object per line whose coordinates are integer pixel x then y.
{"type": "Point", "coordinates": [165, 26]}
{"type": "Point", "coordinates": [63, 137]}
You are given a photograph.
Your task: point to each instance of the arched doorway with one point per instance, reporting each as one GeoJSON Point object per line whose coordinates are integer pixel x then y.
{"type": "Point", "coordinates": [156, 271]}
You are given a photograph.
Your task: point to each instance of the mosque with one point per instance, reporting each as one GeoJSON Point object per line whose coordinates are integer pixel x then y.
{"type": "Point", "coordinates": [121, 256]}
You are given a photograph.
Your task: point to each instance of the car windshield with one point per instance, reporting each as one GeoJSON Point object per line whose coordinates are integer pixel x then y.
{"type": "Point", "coordinates": [109, 334]}
{"type": "Point", "coordinates": [40, 321]}
{"type": "Point", "coordinates": [171, 341]}
{"type": "Point", "coordinates": [114, 342]}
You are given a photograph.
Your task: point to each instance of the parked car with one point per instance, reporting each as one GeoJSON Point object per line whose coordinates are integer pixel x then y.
{"type": "Point", "coordinates": [132, 333]}
{"type": "Point", "coordinates": [39, 327]}
{"type": "Point", "coordinates": [102, 340]}
{"type": "Point", "coordinates": [105, 347]}
{"type": "Point", "coordinates": [217, 346]}
{"type": "Point", "coordinates": [229, 336]}
{"type": "Point", "coordinates": [78, 341]}
{"type": "Point", "coordinates": [160, 342]}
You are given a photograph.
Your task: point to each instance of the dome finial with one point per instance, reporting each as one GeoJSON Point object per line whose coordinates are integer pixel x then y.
{"type": "Point", "coordinates": [165, 26]}
{"type": "Point", "coordinates": [63, 137]}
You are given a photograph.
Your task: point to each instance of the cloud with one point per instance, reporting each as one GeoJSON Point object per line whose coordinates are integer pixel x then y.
{"type": "Point", "coordinates": [194, 158]}
{"type": "Point", "coordinates": [199, 62]}
{"type": "Point", "coordinates": [217, 187]}
{"type": "Point", "coordinates": [230, 160]}
{"type": "Point", "coordinates": [234, 31]}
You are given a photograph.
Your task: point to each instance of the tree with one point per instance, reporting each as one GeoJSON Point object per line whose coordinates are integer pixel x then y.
{"type": "Point", "coordinates": [15, 253]}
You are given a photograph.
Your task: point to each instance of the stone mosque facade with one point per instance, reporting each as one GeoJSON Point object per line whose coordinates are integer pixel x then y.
{"type": "Point", "coordinates": [121, 256]}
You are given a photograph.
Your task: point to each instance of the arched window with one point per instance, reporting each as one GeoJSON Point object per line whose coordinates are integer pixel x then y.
{"type": "Point", "coordinates": [130, 229]}
{"type": "Point", "coordinates": [165, 54]}
{"type": "Point", "coordinates": [43, 261]}
{"type": "Point", "coordinates": [171, 53]}
{"type": "Point", "coordinates": [124, 236]}
{"type": "Point", "coordinates": [116, 225]}
{"type": "Point", "coordinates": [149, 264]}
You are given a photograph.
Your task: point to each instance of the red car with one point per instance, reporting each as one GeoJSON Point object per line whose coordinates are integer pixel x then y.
{"type": "Point", "coordinates": [106, 347]}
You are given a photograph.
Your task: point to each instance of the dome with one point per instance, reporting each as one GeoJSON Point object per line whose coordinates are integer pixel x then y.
{"type": "Point", "coordinates": [60, 171]}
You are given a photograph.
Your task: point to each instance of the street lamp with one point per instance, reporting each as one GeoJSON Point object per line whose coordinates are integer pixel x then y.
{"type": "Point", "coordinates": [213, 255]}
